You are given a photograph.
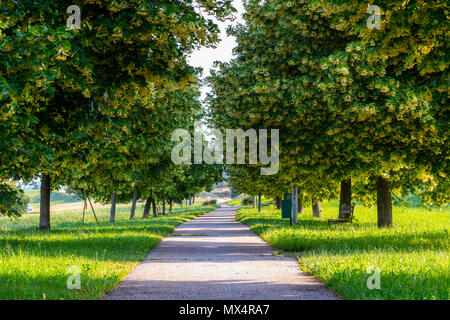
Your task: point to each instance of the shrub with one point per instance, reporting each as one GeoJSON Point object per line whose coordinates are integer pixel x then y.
{"type": "Point", "coordinates": [247, 200]}
{"type": "Point", "coordinates": [210, 202]}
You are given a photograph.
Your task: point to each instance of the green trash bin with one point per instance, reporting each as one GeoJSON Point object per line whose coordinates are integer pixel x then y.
{"type": "Point", "coordinates": [286, 207]}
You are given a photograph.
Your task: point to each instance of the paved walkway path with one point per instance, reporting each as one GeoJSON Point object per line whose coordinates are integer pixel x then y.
{"type": "Point", "coordinates": [216, 257]}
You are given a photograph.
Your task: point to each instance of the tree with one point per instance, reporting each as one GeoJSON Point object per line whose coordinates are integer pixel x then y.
{"type": "Point", "coordinates": [342, 97]}
{"type": "Point", "coordinates": [256, 90]}
{"type": "Point", "coordinates": [403, 67]}
{"type": "Point", "coordinates": [58, 84]}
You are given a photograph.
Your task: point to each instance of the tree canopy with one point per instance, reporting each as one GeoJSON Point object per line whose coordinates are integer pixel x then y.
{"type": "Point", "coordinates": [350, 102]}
{"type": "Point", "coordinates": [85, 103]}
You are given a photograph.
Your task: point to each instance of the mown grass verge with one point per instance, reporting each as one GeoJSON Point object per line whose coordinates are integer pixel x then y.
{"type": "Point", "coordinates": [412, 256]}
{"type": "Point", "coordinates": [33, 263]}
{"type": "Point", "coordinates": [237, 202]}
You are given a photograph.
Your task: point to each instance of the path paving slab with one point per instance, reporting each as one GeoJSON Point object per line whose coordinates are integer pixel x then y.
{"type": "Point", "coordinates": [215, 257]}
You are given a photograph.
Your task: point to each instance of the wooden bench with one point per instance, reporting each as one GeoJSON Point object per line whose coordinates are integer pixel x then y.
{"type": "Point", "coordinates": [345, 211]}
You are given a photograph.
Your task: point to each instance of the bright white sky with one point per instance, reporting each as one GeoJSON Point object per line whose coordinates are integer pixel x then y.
{"type": "Point", "coordinates": [205, 57]}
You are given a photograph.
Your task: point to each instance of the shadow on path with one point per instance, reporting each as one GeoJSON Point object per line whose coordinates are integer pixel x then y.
{"type": "Point", "coordinates": [216, 257]}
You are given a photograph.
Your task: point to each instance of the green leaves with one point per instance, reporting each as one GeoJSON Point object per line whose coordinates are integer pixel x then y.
{"type": "Point", "coordinates": [349, 101]}
{"type": "Point", "coordinates": [94, 106]}
{"type": "Point", "coordinates": [13, 202]}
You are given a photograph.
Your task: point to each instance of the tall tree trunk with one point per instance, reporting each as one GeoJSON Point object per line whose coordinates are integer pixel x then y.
{"type": "Point", "coordinates": [133, 204]}
{"type": "Point", "coordinates": [193, 199]}
{"type": "Point", "coordinates": [301, 209]}
{"type": "Point", "coordinates": [148, 203]}
{"type": "Point", "coordinates": [112, 217]}
{"type": "Point", "coordinates": [317, 208]}
{"type": "Point", "coordinates": [346, 197]}
{"type": "Point", "coordinates": [259, 202]}
{"type": "Point", "coordinates": [163, 207]}
{"type": "Point", "coordinates": [278, 202]}
{"type": "Point", "coordinates": [254, 202]}
{"type": "Point", "coordinates": [154, 207]}
{"type": "Point", "coordinates": [384, 202]}
{"type": "Point", "coordinates": [294, 204]}
{"type": "Point", "coordinates": [44, 212]}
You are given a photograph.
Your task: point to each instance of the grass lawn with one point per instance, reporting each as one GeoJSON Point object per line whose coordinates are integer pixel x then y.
{"type": "Point", "coordinates": [56, 197]}
{"type": "Point", "coordinates": [412, 256]}
{"type": "Point", "coordinates": [33, 263]}
{"type": "Point", "coordinates": [237, 202]}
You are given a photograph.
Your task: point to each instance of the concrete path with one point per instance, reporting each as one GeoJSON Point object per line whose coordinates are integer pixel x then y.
{"type": "Point", "coordinates": [216, 257]}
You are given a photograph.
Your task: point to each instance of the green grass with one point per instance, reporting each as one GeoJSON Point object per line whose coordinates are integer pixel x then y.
{"type": "Point", "coordinates": [238, 202]}
{"type": "Point", "coordinates": [34, 263]}
{"type": "Point", "coordinates": [235, 202]}
{"type": "Point", "coordinates": [413, 256]}
{"type": "Point", "coordinates": [56, 197]}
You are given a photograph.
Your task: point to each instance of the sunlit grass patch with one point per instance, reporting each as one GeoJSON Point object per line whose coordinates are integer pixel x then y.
{"type": "Point", "coordinates": [237, 202]}
{"type": "Point", "coordinates": [413, 256]}
{"type": "Point", "coordinates": [421, 274]}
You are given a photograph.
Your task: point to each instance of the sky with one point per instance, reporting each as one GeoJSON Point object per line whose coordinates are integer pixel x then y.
{"type": "Point", "coordinates": [205, 57]}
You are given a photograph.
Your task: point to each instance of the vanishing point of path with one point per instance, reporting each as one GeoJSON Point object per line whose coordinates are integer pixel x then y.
{"type": "Point", "coordinates": [216, 257]}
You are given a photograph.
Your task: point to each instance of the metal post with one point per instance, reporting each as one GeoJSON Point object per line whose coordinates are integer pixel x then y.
{"type": "Point", "coordinates": [294, 204]}
{"type": "Point", "coordinates": [259, 202]}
